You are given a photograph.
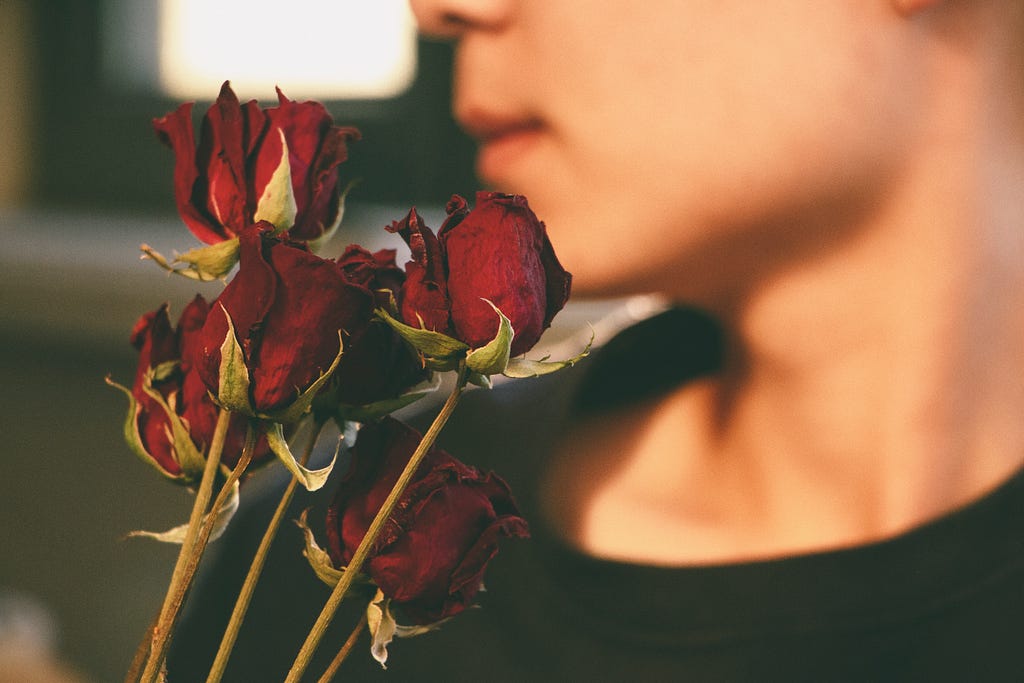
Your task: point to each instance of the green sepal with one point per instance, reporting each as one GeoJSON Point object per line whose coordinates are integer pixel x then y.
{"type": "Point", "coordinates": [318, 558]}
{"type": "Point", "coordinates": [134, 439]}
{"type": "Point", "coordinates": [482, 381]}
{"type": "Point", "coordinates": [212, 262]}
{"type": "Point", "coordinates": [178, 533]}
{"type": "Point", "coordinates": [233, 383]}
{"type": "Point", "coordinates": [491, 358]}
{"type": "Point", "coordinates": [277, 203]}
{"type": "Point", "coordinates": [374, 411]}
{"type": "Point", "coordinates": [164, 370]}
{"type": "Point", "coordinates": [312, 480]}
{"type": "Point", "coordinates": [190, 460]}
{"type": "Point", "coordinates": [317, 243]}
{"type": "Point", "coordinates": [298, 408]}
{"type": "Point", "coordinates": [520, 367]}
{"type": "Point", "coordinates": [434, 346]}
{"type": "Point", "coordinates": [384, 628]}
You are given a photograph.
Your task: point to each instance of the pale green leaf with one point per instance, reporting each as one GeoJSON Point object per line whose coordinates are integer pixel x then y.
{"type": "Point", "coordinates": [233, 392]}
{"type": "Point", "coordinates": [520, 367]}
{"type": "Point", "coordinates": [178, 533]}
{"type": "Point", "coordinates": [132, 436]}
{"type": "Point", "coordinates": [382, 625]}
{"type": "Point", "coordinates": [312, 480]}
{"type": "Point", "coordinates": [317, 557]}
{"type": "Point", "coordinates": [212, 262]}
{"type": "Point", "coordinates": [492, 358]}
{"type": "Point", "coordinates": [277, 203]}
{"type": "Point", "coordinates": [432, 345]}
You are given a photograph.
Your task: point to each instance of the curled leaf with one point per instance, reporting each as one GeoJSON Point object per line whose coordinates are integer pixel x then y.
{"type": "Point", "coordinates": [177, 534]}
{"type": "Point", "coordinates": [312, 480]}
{"type": "Point", "coordinates": [491, 358]}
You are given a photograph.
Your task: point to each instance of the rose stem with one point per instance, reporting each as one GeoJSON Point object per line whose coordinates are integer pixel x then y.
{"type": "Point", "coordinates": [202, 536]}
{"type": "Point", "coordinates": [249, 586]}
{"type": "Point", "coordinates": [343, 652]}
{"type": "Point", "coordinates": [363, 550]}
{"type": "Point", "coordinates": [203, 496]}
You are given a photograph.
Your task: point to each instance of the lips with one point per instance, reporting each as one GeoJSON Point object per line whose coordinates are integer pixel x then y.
{"type": "Point", "coordinates": [503, 141]}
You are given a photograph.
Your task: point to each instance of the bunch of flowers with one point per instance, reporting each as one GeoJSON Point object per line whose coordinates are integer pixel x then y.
{"type": "Point", "coordinates": [296, 339]}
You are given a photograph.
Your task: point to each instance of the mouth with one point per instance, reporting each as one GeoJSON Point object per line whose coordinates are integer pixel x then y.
{"type": "Point", "coordinates": [503, 142]}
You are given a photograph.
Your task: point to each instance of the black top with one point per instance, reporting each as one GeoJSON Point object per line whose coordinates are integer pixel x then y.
{"type": "Point", "coordinates": [944, 601]}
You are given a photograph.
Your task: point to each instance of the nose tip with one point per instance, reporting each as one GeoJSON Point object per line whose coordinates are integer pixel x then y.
{"type": "Point", "coordinates": [452, 18]}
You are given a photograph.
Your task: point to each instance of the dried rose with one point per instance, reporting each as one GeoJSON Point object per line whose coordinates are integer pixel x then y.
{"type": "Point", "coordinates": [430, 557]}
{"type": "Point", "coordinates": [172, 418]}
{"type": "Point", "coordinates": [377, 369]}
{"type": "Point", "coordinates": [279, 164]}
{"type": "Point", "coordinates": [285, 312]}
{"type": "Point", "coordinates": [497, 252]}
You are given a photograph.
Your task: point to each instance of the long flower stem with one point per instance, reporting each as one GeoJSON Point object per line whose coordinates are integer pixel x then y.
{"type": "Point", "coordinates": [176, 597]}
{"type": "Point", "coordinates": [227, 643]}
{"type": "Point", "coordinates": [355, 565]}
{"type": "Point", "coordinates": [343, 652]}
{"type": "Point", "coordinates": [159, 631]}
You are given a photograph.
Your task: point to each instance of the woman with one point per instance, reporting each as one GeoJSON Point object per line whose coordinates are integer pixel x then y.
{"type": "Point", "coordinates": [840, 185]}
{"type": "Point", "coordinates": [816, 476]}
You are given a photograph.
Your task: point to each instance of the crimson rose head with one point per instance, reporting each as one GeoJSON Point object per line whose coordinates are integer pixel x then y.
{"type": "Point", "coordinates": [162, 354]}
{"type": "Point", "coordinates": [287, 307]}
{"type": "Point", "coordinates": [498, 251]}
{"type": "Point", "coordinates": [431, 555]}
{"type": "Point", "coordinates": [377, 365]}
{"type": "Point", "coordinates": [236, 174]}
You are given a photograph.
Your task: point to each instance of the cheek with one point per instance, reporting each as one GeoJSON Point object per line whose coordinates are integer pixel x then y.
{"type": "Point", "coordinates": [648, 178]}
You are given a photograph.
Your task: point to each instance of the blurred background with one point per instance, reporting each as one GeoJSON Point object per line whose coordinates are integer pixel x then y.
{"type": "Point", "coordinates": [84, 181]}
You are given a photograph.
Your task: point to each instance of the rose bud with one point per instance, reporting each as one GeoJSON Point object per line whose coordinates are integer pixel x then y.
{"type": "Point", "coordinates": [169, 403]}
{"type": "Point", "coordinates": [431, 555]}
{"type": "Point", "coordinates": [278, 164]}
{"type": "Point", "coordinates": [283, 313]}
{"type": "Point", "coordinates": [498, 252]}
{"type": "Point", "coordinates": [234, 177]}
{"type": "Point", "coordinates": [377, 368]}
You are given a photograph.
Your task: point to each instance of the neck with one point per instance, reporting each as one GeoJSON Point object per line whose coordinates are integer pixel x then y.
{"type": "Point", "coordinates": [869, 389]}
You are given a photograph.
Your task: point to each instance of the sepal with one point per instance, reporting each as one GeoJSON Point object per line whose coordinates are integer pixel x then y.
{"type": "Point", "coordinates": [277, 204]}
{"type": "Point", "coordinates": [491, 358]}
{"type": "Point", "coordinates": [439, 351]}
{"type": "Point", "coordinates": [384, 628]}
{"type": "Point", "coordinates": [518, 368]}
{"type": "Point", "coordinates": [312, 480]}
{"type": "Point", "coordinates": [205, 264]}
{"type": "Point", "coordinates": [318, 559]}
{"type": "Point", "coordinates": [134, 439]}
{"type": "Point", "coordinates": [178, 533]}
{"type": "Point", "coordinates": [233, 379]}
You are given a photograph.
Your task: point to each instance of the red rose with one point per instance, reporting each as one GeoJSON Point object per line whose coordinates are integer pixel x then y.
{"type": "Point", "coordinates": [431, 555]}
{"type": "Point", "coordinates": [287, 307]}
{"type": "Point", "coordinates": [498, 251]}
{"type": "Point", "coordinates": [377, 365]}
{"type": "Point", "coordinates": [219, 185]}
{"type": "Point", "coordinates": [182, 391]}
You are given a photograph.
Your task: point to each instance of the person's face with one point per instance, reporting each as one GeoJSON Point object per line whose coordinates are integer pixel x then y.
{"type": "Point", "coordinates": [667, 143]}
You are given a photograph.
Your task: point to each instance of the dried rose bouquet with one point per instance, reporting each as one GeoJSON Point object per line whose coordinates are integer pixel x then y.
{"type": "Point", "coordinates": [294, 341]}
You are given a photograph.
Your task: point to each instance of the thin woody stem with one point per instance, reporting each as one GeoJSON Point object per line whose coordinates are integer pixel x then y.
{"type": "Point", "coordinates": [350, 642]}
{"type": "Point", "coordinates": [227, 643]}
{"type": "Point", "coordinates": [175, 598]}
{"type": "Point", "coordinates": [141, 653]}
{"type": "Point", "coordinates": [355, 565]}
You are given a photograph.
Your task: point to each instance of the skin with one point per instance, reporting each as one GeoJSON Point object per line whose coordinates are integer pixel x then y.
{"type": "Point", "coordinates": [840, 184]}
